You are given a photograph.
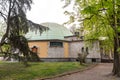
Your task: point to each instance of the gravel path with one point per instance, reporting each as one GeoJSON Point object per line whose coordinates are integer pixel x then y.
{"type": "Point", "coordinates": [100, 72]}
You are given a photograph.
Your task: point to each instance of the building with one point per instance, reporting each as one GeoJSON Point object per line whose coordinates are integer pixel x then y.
{"type": "Point", "coordinates": [59, 44]}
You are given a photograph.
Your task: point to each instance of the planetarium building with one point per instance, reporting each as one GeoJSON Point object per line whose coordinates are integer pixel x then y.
{"type": "Point", "coordinates": [59, 44]}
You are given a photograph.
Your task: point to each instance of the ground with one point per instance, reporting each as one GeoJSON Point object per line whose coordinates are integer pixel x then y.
{"type": "Point", "coordinates": [101, 72]}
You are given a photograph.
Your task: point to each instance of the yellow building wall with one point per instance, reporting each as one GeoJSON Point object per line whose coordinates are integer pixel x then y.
{"type": "Point", "coordinates": [42, 48]}
{"type": "Point", "coordinates": [66, 49]}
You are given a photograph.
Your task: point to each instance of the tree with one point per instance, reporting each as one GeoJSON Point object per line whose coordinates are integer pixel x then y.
{"type": "Point", "coordinates": [101, 18]}
{"type": "Point", "coordinates": [13, 13]}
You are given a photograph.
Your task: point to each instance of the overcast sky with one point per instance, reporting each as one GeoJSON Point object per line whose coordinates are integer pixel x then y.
{"type": "Point", "coordinates": [48, 11]}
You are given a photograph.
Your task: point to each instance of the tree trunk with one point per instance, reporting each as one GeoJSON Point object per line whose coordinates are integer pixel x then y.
{"type": "Point", "coordinates": [116, 64]}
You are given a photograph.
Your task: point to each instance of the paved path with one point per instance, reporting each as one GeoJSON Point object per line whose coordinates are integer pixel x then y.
{"type": "Point", "coordinates": [100, 72]}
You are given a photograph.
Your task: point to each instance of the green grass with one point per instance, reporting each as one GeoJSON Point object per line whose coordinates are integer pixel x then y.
{"type": "Point", "coordinates": [17, 71]}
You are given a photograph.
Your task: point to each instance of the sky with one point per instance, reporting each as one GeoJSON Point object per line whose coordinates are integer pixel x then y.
{"type": "Point", "coordinates": [48, 11]}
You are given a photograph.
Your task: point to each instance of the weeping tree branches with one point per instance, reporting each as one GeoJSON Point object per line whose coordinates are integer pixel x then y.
{"type": "Point", "coordinates": [14, 9]}
{"type": "Point", "coordinates": [13, 13]}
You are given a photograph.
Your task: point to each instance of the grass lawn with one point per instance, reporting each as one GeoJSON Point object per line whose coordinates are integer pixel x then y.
{"type": "Point", "coordinates": [17, 71]}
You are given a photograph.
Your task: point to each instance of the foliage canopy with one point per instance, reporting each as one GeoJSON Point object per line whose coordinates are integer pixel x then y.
{"type": "Point", "coordinates": [13, 13]}
{"type": "Point", "coordinates": [100, 18]}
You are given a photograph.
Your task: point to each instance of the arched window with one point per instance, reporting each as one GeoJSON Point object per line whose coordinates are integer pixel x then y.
{"type": "Point", "coordinates": [34, 49]}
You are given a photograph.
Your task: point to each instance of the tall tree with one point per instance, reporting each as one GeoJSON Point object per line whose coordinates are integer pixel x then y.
{"type": "Point", "coordinates": [13, 13]}
{"type": "Point", "coordinates": [101, 18]}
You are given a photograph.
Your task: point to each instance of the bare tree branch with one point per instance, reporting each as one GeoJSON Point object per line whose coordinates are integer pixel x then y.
{"type": "Point", "coordinates": [3, 15]}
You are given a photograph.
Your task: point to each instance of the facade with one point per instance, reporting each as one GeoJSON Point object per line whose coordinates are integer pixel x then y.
{"type": "Point", "coordinates": [59, 44]}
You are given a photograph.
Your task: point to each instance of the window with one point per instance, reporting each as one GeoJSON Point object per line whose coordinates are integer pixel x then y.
{"type": "Point", "coordinates": [34, 49]}
{"type": "Point", "coordinates": [82, 49]}
{"type": "Point", "coordinates": [81, 37]}
{"type": "Point", "coordinates": [87, 50]}
{"type": "Point", "coordinates": [77, 33]}
{"type": "Point", "coordinates": [56, 44]}
{"type": "Point", "coordinates": [93, 60]}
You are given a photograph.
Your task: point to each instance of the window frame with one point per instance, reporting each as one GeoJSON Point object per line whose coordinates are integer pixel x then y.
{"type": "Point", "coordinates": [55, 44]}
